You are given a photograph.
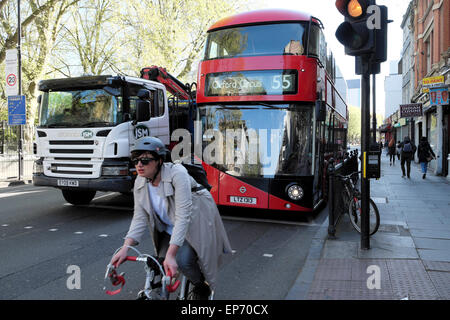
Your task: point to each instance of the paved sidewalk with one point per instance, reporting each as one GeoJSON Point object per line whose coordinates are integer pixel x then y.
{"type": "Point", "coordinates": [410, 251]}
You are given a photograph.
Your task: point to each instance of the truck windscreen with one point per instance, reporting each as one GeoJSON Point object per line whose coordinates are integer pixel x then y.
{"type": "Point", "coordinates": [80, 108]}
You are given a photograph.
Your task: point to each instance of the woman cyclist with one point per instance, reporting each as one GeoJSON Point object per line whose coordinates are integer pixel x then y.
{"type": "Point", "coordinates": [184, 221]}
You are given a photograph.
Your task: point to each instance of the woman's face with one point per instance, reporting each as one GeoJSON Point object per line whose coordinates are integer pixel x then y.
{"type": "Point", "coordinates": [149, 169]}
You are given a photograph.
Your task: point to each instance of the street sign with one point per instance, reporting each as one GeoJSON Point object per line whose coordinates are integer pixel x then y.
{"type": "Point", "coordinates": [11, 76]}
{"type": "Point", "coordinates": [16, 110]}
{"type": "Point", "coordinates": [411, 110]}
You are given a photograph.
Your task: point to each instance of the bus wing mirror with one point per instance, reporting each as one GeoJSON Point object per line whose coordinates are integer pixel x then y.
{"type": "Point", "coordinates": [142, 110]}
{"type": "Point", "coordinates": [321, 110]}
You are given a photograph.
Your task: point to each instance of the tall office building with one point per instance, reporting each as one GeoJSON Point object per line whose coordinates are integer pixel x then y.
{"type": "Point", "coordinates": [354, 92]}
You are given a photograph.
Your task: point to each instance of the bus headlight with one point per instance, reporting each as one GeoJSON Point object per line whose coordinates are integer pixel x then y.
{"type": "Point", "coordinates": [295, 192]}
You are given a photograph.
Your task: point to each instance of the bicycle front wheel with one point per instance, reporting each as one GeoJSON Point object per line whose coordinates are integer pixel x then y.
{"type": "Point", "coordinates": [355, 210]}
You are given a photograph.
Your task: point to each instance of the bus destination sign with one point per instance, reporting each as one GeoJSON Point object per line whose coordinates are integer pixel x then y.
{"type": "Point", "coordinates": [251, 83]}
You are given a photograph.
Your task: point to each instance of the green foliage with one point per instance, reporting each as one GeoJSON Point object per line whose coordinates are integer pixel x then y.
{"type": "Point", "coordinates": [68, 38]}
{"type": "Point", "coordinates": [354, 124]}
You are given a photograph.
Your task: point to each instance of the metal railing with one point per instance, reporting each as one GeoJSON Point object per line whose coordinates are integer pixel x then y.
{"type": "Point", "coordinates": [9, 155]}
{"type": "Point", "coordinates": [336, 205]}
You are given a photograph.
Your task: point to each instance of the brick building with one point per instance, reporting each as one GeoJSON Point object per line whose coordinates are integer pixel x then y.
{"type": "Point", "coordinates": [431, 59]}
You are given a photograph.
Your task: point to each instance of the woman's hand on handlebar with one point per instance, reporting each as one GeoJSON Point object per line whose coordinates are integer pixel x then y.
{"type": "Point", "coordinates": [119, 257]}
{"type": "Point", "coordinates": [170, 262]}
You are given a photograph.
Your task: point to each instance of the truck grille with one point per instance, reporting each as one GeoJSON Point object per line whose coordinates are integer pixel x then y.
{"type": "Point", "coordinates": [66, 146]}
{"type": "Point", "coordinates": [73, 158]}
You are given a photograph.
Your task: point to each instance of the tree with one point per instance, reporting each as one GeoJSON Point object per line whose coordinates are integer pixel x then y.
{"type": "Point", "coordinates": [354, 124]}
{"type": "Point", "coordinates": [169, 33]}
{"type": "Point", "coordinates": [87, 43]}
{"type": "Point", "coordinates": [40, 26]}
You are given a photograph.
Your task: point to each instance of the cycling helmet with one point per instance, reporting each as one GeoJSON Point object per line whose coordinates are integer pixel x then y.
{"type": "Point", "coordinates": [150, 144]}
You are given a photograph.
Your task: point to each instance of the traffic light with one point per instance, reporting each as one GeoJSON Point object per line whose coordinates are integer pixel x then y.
{"type": "Point", "coordinates": [354, 33]}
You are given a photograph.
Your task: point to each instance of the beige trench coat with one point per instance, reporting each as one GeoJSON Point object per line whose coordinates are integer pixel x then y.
{"type": "Point", "coordinates": [194, 215]}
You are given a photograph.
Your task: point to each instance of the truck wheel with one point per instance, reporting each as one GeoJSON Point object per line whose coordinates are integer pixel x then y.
{"type": "Point", "coordinates": [77, 197]}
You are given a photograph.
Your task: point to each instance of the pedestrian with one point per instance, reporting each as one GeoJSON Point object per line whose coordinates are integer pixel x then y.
{"type": "Point", "coordinates": [425, 154]}
{"type": "Point", "coordinates": [392, 151]}
{"type": "Point", "coordinates": [407, 154]}
{"type": "Point", "coordinates": [399, 149]}
{"type": "Point", "coordinates": [183, 219]}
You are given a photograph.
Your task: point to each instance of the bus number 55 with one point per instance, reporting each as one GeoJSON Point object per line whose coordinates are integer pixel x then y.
{"type": "Point", "coordinates": [287, 81]}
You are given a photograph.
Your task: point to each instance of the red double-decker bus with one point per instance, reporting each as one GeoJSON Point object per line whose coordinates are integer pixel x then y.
{"type": "Point", "coordinates": [270, 111]}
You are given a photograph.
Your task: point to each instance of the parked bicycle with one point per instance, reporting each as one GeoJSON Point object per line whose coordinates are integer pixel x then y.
{"type": "Point", "coordinates": [352, 201]}
{"type": "Point", "coordinates": [158, 285]}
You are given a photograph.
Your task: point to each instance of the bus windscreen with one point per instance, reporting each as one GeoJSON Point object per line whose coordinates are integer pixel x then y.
{"type": "Point", "coordinates": [257, 40]}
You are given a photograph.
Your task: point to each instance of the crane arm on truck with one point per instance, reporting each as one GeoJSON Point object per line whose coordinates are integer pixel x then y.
{"type": "Point", "coordinates": [172, 84]}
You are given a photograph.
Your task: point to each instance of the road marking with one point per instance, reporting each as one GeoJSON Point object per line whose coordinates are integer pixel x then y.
{"type": "Point", "coordinates": [267, 255]}
{"type": "Point", "coordinates": [5, 225]}
{"type": "Point", "coordinates": [105, 195]}
{"type": "Point", "coordinates": [78, 232]}
{"type": "Point", "coordinates": [103, 235]}
{"type": "Point", "coordinates": [53, 230]}
{"type": "Point", "coordinates": [28, 227]}
{"type": "Point", "coordinates": [233, 251]}
{"type": "Point", "coordinates": [13, 194]}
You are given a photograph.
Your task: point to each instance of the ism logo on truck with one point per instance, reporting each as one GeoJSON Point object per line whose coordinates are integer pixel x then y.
{"type": "Point", "coordinates": [87, 134]}
{"type": "Point", "coordinates": [141, 131]}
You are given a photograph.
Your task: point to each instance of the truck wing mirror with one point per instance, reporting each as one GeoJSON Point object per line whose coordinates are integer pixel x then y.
{"type": "Point", "coordinates": [142, 110]}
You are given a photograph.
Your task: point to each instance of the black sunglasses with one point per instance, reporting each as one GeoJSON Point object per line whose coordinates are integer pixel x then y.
{"type": "Point", "coordinates": [144, 161]}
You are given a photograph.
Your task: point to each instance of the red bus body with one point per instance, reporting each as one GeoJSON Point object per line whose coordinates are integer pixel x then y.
{"type": "Point", "coordinates": [314, 87]}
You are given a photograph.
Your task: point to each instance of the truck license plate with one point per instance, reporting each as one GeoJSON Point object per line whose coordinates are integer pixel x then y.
{"type": "Point", "coordinates": [67, 183]}
{"type": "Point", "coordinates": [245, 200]}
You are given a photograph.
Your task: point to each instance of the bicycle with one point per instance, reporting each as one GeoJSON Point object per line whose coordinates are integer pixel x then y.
{"type": "Point", "coordinates": [158, 285]}
{"type": "Point", "coordinates": [352, 199]}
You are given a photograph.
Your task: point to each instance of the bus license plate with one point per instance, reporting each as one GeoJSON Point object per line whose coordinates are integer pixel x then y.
{"type": "Point", "coordinates": [245, 200]}
{"type": "Point", "coordinates": [67, 183]}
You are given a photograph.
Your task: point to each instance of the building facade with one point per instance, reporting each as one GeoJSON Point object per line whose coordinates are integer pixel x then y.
{"type": "Point", "coordinates": [431, 63]}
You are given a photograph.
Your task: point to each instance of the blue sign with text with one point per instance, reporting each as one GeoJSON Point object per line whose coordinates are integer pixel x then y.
{"type": "Point", "coordinates": [17, 114]}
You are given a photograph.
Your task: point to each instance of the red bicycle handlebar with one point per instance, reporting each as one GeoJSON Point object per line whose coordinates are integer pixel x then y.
{"type": "Point", "coordinates": [118, 279]}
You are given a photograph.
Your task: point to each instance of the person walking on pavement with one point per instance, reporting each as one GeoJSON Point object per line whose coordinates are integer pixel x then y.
{"type": "Point", "coordinates": [425, 154]}
{"type": "Point", "coordinates": [399, 149]}
{"type": "Point", "coordinates": [408, 150]}
{"type": "Point", "coordinates": [392, 151]}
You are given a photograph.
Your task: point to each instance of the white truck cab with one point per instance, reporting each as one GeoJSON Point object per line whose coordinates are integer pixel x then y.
{"type": "Point", "coordinates": [87, 126]}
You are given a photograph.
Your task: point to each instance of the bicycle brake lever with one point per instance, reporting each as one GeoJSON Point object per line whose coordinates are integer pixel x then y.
{"type": "Point", "coordinates": [167, 282]}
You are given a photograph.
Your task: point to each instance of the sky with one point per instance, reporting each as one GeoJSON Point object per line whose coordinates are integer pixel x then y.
{"type": "Point", "coordinates": [326, 11]}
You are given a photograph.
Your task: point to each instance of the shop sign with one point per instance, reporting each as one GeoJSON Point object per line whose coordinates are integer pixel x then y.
{"type": "Point", "coordinates": [410, 110]}
{"type": "Point", "coordinates": [430, 82]}
{"type": "Point", "coordinates": [438, 96]}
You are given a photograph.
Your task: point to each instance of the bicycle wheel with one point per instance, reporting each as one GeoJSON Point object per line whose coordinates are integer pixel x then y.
{"type": "Point", "coordinates": [354, 212]}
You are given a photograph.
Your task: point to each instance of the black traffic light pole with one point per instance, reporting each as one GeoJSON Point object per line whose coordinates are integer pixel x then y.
{"type": "Point", "coordinates": [365, 147]}
{"type": "Point", "coordinates": [364, 36]}
{"type": "Point", "coordinates": [374, 110]}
